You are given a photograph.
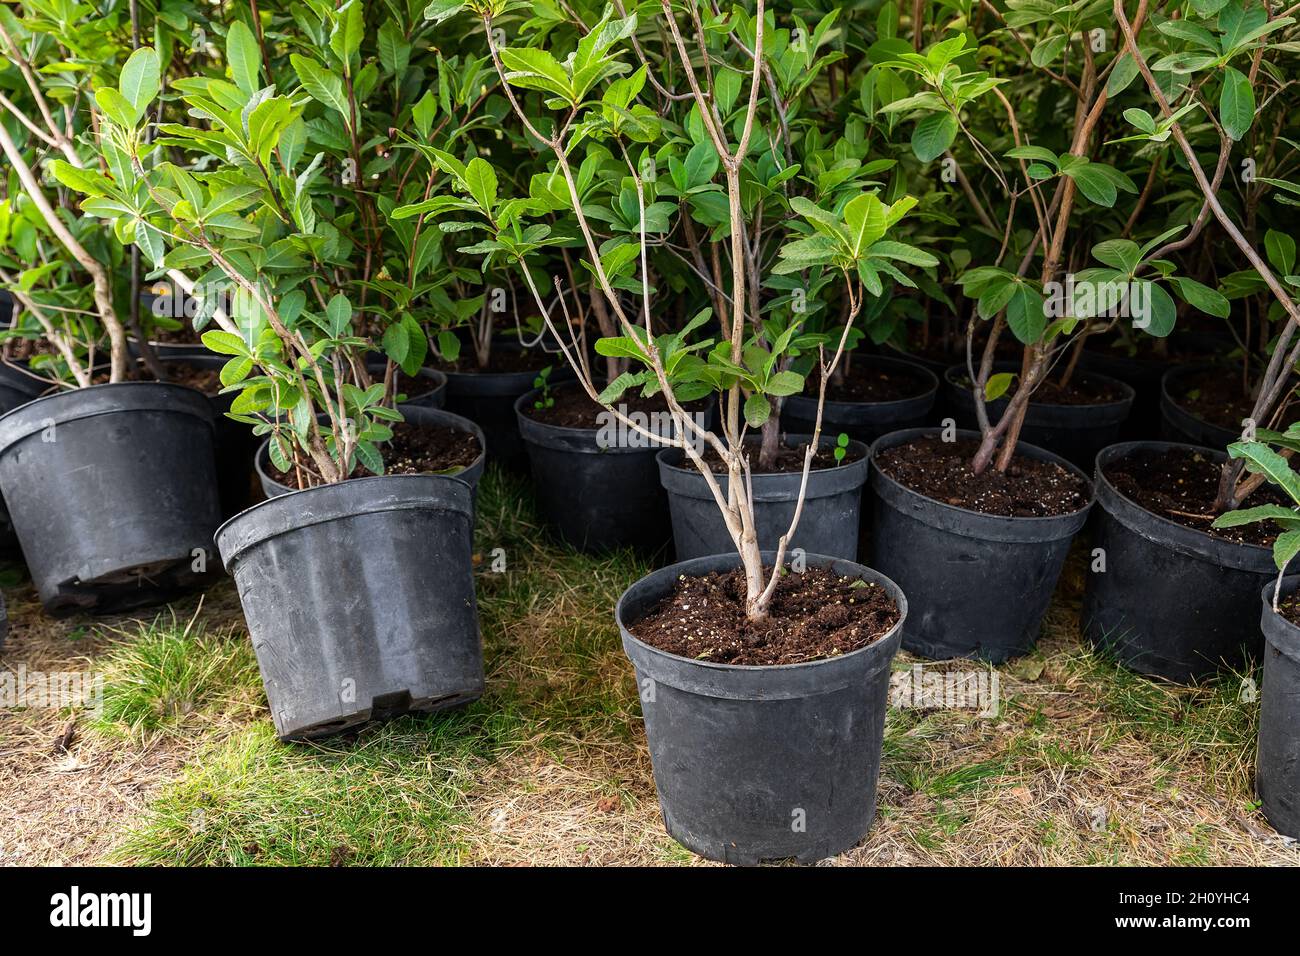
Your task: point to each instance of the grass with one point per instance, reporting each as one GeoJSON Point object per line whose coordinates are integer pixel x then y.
{"type": "Point", "coordinates": [1085, 763]}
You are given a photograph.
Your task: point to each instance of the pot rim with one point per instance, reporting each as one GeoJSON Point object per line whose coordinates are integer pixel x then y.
{"type": "Point", "coordinates": [580, 435]}
{"type": "Point", "coordinates": [673, 571]}
{"type": "Point", "coordinates": [1280, 633]}
{"type": "Point", "coordinates": [853, 472]}
{"type": "Point", "coordinates": [128, 397]}
{"type": "Point", "coordinates": [1128, 391]}
{"type": "Point", "coordinates": [1190, 541]}
{"type": "Point", "coordinates": [425, 371]}
{"type": "Point", "coordinates": [404, 499]}
{"type": "Point", "coordinates": [898, 488]}
{"type": "Point", "coordinates": [889, 360]}
{"type": "Point", "coordinates": [1170, 404]}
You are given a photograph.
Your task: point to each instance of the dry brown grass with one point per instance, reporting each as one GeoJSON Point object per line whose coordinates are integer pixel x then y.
{"type": "Point", "coordinates": [1085, 763]}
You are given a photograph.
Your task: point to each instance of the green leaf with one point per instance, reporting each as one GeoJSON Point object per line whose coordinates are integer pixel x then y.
{"type": "Point", "coordinates": [139, 82]}
{"type": "Point", "coordinates": [424, 112]}
{"type": "Point", "coordinates": [243, 57]}
{"type": "Point", "coordinates": [394, 50]}
{"type": "Point", "coordinates": [933, 135]}
{"type": "Point", "coordinates": [1121, 254]}
{"type": "Point", "coordinates": [1262, 460]}
{"type": "Point", "coordinates": [1236, 103]}
{"type": "Point", "coordinates": [440, 10]}
{"type": "Point", "coordinates": [323, 85]}
{"type": "Point", "coordinates": [339, 311]}
{"type": "Point", "coordinates": [1201, 296]}
{"type": "Point", "coordinates": [757, 410]}
{"type": "Point", "coordinates": [1161, 312]}
{"type": "Point", "coordinates": [1093, 183]}
{"type": "Point", "coordinates": [615, 389]}
{"type": "Point", "coordinates": [482, 182]}
{"type": "Point", "coordinates": [864, 215]}
{"type": "Point", "coordinates": [997, 385]}
{"type": "Point", "coordinates": [226, 343]}
{"type": "Point", "coordinates": [345, 40]}
{"type": "Point", "coordinates": [1279, 247]}
{"type": "Point", "coordinates": [117, 107]}
{"type": "Point", "coordinates": [784, 383]}
{"type": "Point", "coordinates": [1232, 519]}
{"type": "Point", "coordinates": [1286, 547]}
{"type": "Point", "coordinates": [1026, 315]}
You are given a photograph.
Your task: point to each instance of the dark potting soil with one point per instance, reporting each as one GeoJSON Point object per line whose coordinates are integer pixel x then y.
{"type": "Point", "coordinates": [941, 470]}
{"type": "Point", "coordinates": [864, 382]}
{"type": "Point", "coordinates": [789, 459]}
{"type": "Point", "coordinates": [1215, 396]}
{"type": "Point", "coordinates": [206, 380]}
{"type": "Point", "coordinates": [1181, 485]}
{"type": "Point", "coordinates": [814, 615]}
{"type": "Point", "coordinates": [1289, 608]}
{"type": "Point", "coordinates": [185, 335]}
{"type": "Point", "coordinates": [503, 361]}
{"type": "Point", "coordinates": [572, 407]}
{"type": "Point", "coordinates": [408, 386]}
{"type": "Point", "coordinates": [1082, 390]}
{"type": "Point", "coordinates": [416, 450]}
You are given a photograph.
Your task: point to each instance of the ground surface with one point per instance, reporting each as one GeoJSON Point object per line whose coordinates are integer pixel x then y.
{"type": "Point", "coordinates": [1085, 763]}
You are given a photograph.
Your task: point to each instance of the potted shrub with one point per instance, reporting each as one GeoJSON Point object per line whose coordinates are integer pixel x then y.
{"type": "Point", "coordinates": [737, 778]}
{"type": "Point", "coordinates": [482, 332]}
{"type": "Point", "coordinates": [110, 482]}
{"type": "Point", "coordinates": [358, 591]}
{"type": "Point", "coordinates": [1159, 502]}
{"type": "Point", "coordinates": [982, 517]}
{"type": "Point", "coordinates": [686, 206]}
{"type": "Point", "coordinates": [1277, 772]}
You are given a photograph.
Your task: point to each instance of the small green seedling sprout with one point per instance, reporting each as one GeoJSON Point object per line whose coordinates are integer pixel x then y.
{"type": "Point", "coordinates": [841, 448]}
{"type": "Point", "coordinates": [543, 381]}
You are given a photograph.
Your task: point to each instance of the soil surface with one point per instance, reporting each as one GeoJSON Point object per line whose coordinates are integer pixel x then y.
{"type": "Point", "coordinates": [409, 386]}
{"type": "Point", "coordinates": [415, 450]}
{"type": "Point", "coordinates": [185, 335]}
{"type": "Point", "coordinates": [573, 408]}
{"type": "Point", "coordinates": [864, 381]}
{"type": "Point", "coordinates": [1181, 485]}
{"type": "Point", "coordinates": [814, 615]}
{"type": "Point", "coordinates": [1289, 607]}
{"type": "Point", "coordinates": [1082, 390]}
{"type": "Point", "coordinates": [1215, 396]}
{"type": "Point", "coordinates": [789, 459]}
{"type": "Point", "coordinates": [503, 361]}
{"type": "Point", "coordinates": [941, 470]}
{"type": "Point", "coordinates": [206, 380]}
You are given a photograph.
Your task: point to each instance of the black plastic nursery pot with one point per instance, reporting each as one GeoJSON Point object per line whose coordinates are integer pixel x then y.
{"type": "Point", "coordinates": [599, 488]}
{"type": "Point", "coordinates": [979, 584]}
{"type": "Point", "coordinates": [112, 490]}
{"type": "Point", "coordinates": [1178, 424]}
{"type": "Point", "coordinates": [866, 421]}
{"type": "Point", "coordinates": [743, 753]}
{"type": "Point", "coordinates": [1277, 771]}
{"type": "Point", "coordinates": [359, 598]}
{"type": "Point", "coordinates": [419, 415]}
{"type": "Point", "coordinates": [828, 525]}
{"type": "Point", "coordinates": [1075, 432]}
{"type": "Point", "coordinates": [1144, 374]}
{"type": "Point", "coordinates": [1171, 600]}
{"type": "Point", "coordinates": [432, 391]}
{"type": "Point", "coordinates": [488, 399]}
{"type": "Point", "coordinates": [16, 388]}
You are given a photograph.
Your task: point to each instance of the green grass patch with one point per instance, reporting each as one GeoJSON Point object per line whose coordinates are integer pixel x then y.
{"type": "Point", "coordinates": [168, 676]}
